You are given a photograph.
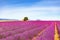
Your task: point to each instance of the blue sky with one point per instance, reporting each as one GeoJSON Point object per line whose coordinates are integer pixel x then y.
{"type": "Point", "coordinates": [34, 9]}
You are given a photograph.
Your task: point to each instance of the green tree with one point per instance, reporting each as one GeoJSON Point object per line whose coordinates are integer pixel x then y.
{"type": "Point", "coordinates": [25, 18]}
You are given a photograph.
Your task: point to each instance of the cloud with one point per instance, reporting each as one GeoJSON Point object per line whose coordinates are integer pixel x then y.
{"type": "Point", "coordinates": [44, 13]}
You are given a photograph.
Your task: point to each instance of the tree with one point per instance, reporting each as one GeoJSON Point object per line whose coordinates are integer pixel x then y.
{"type": "Point", "coordinates": [25, 18]}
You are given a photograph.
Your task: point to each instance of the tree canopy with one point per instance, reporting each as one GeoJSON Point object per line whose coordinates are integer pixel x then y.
{"type": "Point", "coordinates": [25, 18]}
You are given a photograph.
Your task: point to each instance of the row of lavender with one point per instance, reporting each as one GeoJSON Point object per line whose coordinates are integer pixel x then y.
{"type": "Point", "coordinates": [58, 26]}
{"type": "Point", "coordinates": [21, 30]}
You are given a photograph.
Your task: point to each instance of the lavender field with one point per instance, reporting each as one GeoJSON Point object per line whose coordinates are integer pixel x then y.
{"type": "Point", "coordinates": [29, 30]}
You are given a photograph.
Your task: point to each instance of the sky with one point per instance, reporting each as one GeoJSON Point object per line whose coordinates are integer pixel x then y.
{"type": "Point", "coordinates": [33, 9]}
